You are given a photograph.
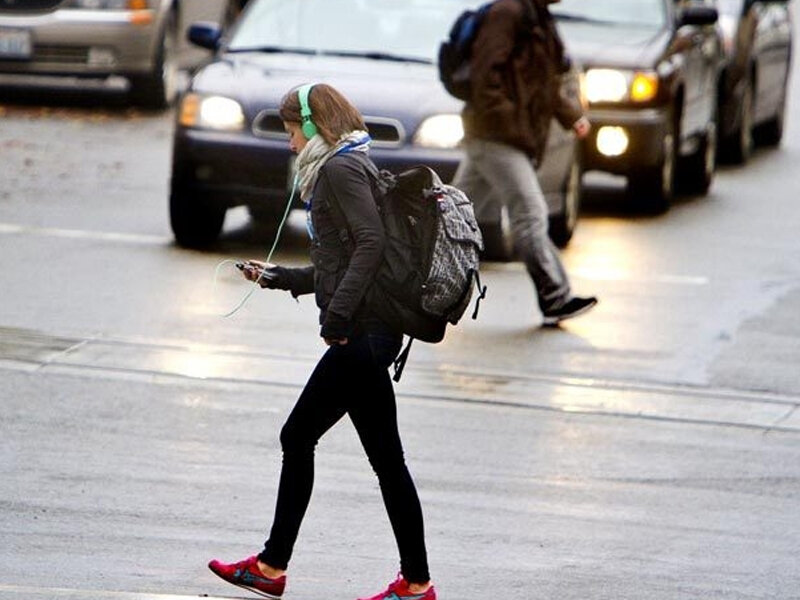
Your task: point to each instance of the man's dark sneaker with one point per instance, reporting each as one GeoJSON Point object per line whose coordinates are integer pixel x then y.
{"type": "Point", "coordinates": [246, 574]}
{"type": "Point", "coordinates": [398, 590]}
{"type": "Point", "coordinates": [574, 306]}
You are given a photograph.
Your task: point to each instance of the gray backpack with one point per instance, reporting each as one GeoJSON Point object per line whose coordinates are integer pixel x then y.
{"type": "Point", "coordinates": [431, 259]}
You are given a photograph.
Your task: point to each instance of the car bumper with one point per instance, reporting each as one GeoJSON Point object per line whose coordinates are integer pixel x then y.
{"type": "Point", "coordinates": [232, 169]}
{"type": "Point", "coordinates": [644, 130]}
{"type": "Point", "coordinates": [81, 42]}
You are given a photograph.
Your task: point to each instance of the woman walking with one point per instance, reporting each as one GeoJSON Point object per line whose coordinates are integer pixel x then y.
{"type": "Point", "coordinates": [328, 134]}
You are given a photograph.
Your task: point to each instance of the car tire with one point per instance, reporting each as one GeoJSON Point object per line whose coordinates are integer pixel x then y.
{"type": "Point", "coordinates": [653, 188]}
{"type": "Point", "coordinates": [697, 170]}
{"type": "Point", "coordinates": [738, 146]}
{"type": "Point", "coordinates": [268, 219]}
{"type": "Point", "coordinates": [770, 133]}
{"type": "Point", "coordinates": [562, 225]}
{"type": "Point", "coordinates": [266, 215]}
{"type": "Point", "coordinates": [498, 241]}
{"type": "Point", "coordinates": [195, 224]}
{"type": "Point", "coordinates": [159, 88]}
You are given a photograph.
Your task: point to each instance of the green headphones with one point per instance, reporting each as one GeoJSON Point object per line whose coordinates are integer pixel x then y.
{"type": "Point", "coordinates": [306, 124]}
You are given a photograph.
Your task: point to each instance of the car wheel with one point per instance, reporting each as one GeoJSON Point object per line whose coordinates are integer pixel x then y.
{"type": "Point", "coordinates": [697, 172]}
{"type": "Point", "coordinates": [770, 132]}
{"type": "Point", "coordinates": [267, 219]}
{"type": "Point", "coordinates": [266, 215]}
{"type": "Point", "coordinates": [498, 242]}
{"type": "Point", "coordinates": [738, 147]}
{"type": "Point", "coordinates": [652, 189]}
{"type": "Point", "coordinates": [195, 224]}
{"type": "Point", "coordinates": [158, 89]}
{"type": "Point", "coordinates": [562, 225]}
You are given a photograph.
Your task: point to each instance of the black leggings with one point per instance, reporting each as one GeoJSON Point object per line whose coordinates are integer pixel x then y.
{"type": "Point", "coordinates": [352, 379]}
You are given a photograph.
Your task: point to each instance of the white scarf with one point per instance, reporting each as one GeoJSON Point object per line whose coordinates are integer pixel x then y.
{"type": "Point", "coordinates": [317, 152]}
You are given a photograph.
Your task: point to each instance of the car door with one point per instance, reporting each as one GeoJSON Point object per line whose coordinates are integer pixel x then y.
{"type": "Point", "coordinates": [772, 51]}
{"type": "Point", "coordinates": [701, 51]}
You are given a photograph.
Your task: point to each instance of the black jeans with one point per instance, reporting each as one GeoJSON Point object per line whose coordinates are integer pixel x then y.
{"type": "Point", "coordinates": [352, 379]}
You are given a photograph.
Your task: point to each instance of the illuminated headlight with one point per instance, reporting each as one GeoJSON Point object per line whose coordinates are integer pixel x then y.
{"type": "Point", "coordinates": [610, 85]}
{"type": "Point", "coordinates": [109, 4]}
{"type": "Point", "coordinates": [440, 131]}
{"type": "Point", "coordinates": [612, 141]}
{"type": "Point", "coordinates": [211, 112]}
{"type": "Point", "coordinates": [605, 85]}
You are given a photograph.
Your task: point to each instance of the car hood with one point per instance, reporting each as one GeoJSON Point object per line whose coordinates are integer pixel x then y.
{"type": "Point", "coordinates": [595, 45]}
{"type": "Point", "coordinates": [376, 87]}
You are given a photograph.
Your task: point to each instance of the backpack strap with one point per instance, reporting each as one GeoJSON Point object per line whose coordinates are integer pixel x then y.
{"type": "Point", "coordinates": [481, 293]}
{"type": "Point", "coordinates": [382, 179]}
{"type": "Point", "coordinates": [400, 362]}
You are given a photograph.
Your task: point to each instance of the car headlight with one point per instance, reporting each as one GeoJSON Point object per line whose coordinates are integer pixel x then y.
{"type": "Point", "coordinates": [109, 4]}
{"type": "Point", "coordinates": [611, 85]}
{"type": "Point", "coordinates": [440, 131]}
{"type": "Point", "coordinates": [211, 112]}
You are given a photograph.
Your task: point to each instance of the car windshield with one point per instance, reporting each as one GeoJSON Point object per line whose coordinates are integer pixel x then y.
{"type": "Point", "coordinates": [405, 30]}
{"type": "Point", "coordinates": [641, 13]}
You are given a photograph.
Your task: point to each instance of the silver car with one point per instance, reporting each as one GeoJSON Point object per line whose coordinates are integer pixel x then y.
{"type": "Point", "coordinates": [137, 39]}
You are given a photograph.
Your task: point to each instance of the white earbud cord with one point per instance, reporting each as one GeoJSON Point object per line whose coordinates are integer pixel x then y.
{"type": "Point", "coordinates": [256, 285]}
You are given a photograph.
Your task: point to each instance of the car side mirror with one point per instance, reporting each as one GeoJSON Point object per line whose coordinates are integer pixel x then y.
{"type": "Point", "coordinates": [205, 35]}
{"type": "Point", "coordinates": [698, 15]}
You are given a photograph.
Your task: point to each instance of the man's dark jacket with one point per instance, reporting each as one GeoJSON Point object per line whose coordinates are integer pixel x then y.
{"type": "Point", "coordinates": [516, 68]}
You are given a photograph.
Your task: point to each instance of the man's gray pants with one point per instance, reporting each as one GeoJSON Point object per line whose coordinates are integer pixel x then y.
{"type": "Point", "coordinates": [493, 173]}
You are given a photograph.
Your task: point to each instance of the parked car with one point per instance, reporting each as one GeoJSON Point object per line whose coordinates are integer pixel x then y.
{"type": "Point", "coordinates": [137, 39]}
{"type": "Point", "coordinates": [230, 147]}
{"type": "Point", "coordinates": [757, 36]}
{"type": "Point", "coordinates": [651, 69]}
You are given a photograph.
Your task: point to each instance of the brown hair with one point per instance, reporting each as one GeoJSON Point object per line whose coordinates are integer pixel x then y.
{"type": "Point", "coordinates": [331, 112]}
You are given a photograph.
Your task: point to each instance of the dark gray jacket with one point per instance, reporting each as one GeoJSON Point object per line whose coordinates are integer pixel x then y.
{"type": "Point", "coordinates": [344, 258]}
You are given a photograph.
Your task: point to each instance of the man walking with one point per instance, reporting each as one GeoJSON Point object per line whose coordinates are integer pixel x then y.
{"type": "Point", "coordinates": [516, 67]}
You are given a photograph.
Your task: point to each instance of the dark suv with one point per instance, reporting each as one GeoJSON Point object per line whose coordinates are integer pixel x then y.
{"type": "Point", "coordinates": [757, 37]}
{"type": "Point", "coordinates": [652, 69]}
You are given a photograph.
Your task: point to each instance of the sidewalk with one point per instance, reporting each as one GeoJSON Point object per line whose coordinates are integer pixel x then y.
{"type": "Point", "coordinates": [617, 398]}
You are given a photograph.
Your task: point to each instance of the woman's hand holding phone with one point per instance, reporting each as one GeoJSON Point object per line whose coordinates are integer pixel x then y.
{"type": "Point", "coordinates": [256, 270]}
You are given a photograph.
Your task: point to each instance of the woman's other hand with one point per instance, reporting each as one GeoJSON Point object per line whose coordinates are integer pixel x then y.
{"type": "Point", "coordinates": [582, 127]}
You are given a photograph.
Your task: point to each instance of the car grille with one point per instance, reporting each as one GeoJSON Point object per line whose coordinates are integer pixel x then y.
{"type": "Point", "coordinates": [61, 54]}
{"type": "Point", "coordinates": [17, 6]}
{"type": "Point", "coordinates": [385, 133]}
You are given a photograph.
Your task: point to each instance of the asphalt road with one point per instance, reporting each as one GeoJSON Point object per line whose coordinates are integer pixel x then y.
{"type": "Point", "coordinates": [650, 449]}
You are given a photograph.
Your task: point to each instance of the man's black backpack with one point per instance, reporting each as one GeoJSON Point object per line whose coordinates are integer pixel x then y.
{"type": "Point", "coordinates": [455, 52]}
{"type": "Point", "coordinates": [430, 261]}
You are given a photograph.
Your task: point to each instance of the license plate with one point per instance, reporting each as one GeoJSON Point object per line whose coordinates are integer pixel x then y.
{"type": "Point", "coordinates": [15, 44]}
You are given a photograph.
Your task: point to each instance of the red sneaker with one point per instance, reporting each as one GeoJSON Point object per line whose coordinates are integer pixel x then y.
{"type": "Point", "coordinates": [247, 575]}
{"type": "Point", "coordinates": [398, 590]}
